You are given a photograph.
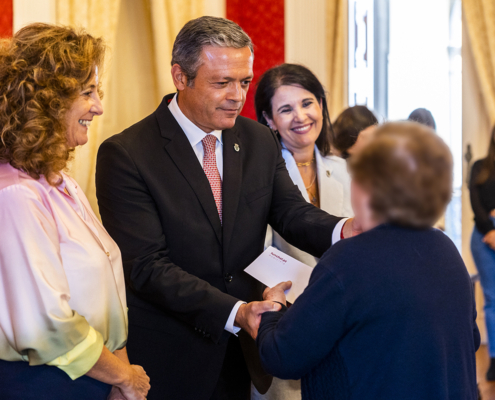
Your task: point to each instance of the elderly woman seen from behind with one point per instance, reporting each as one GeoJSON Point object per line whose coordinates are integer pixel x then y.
{"type": "Point", "coordinates": [390, 313]}
{"type": "Point", "coordinates": [63, 312]}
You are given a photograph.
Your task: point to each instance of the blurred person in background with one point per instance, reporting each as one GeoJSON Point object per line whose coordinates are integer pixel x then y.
{"type": "Point", "coordinates": [423, 116]}
{"type": "Point", "coordinates": [390, 313]}
{"type": "Point", "coordinates": [63, 311]}
{"type": "Point", "coordinates": [364, 138]}
{"type": "Point", "coordinates": [482, 193]}
{"type": "Point", "coordinates": [291, 101]}
{"type": "Point", "coordinates": [348, 126]}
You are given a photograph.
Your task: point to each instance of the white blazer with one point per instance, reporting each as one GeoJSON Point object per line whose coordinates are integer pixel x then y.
{"type": "Point", "coordinates": [334, 187]}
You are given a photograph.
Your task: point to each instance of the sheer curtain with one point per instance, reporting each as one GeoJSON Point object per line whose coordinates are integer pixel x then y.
{"type": "Point", "coordinates": [337, 56]}
{"type": "Point", "coordinates": [480, 23]}
{"type": "Point", "coordinates": [167, 18]}
{"type": "Point", "coordinates": [139, 35]}
{"type": "Point", "coordinates": [100, 18]}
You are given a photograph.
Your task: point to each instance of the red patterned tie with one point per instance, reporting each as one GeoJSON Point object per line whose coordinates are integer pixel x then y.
{"type": "Point", "coordinates": [211, 170]}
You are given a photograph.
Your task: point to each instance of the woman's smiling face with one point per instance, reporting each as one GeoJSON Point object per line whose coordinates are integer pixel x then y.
{"type": "Point", "coordinates": [80, 115]}
{"type": "Point", "coordinates": [297, 116]}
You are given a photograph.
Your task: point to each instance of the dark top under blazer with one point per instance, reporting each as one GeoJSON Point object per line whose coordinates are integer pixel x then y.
{"type": "Point", "coordinates": [183, 269]}
{"type": "Point", "coordinates": [482, 199]}
{"type": "Point", "coordinates": [387, 315]}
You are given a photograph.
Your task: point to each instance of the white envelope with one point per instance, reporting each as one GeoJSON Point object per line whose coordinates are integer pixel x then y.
{"type": "Point", "coordinates": [274, 266]}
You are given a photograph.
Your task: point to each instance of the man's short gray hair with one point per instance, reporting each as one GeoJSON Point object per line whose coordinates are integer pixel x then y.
{"type": "Point", "coordinates": [201, 32]}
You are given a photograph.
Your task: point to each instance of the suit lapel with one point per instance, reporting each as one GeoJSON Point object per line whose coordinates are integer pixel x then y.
{"type": "Point", "coordinates": [232, 181]}
{"type": "Point", "coordinates": [180, 151]}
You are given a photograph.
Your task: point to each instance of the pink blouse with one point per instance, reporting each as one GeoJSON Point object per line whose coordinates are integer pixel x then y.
{"type": "Point", "coordinates": [62, 293]}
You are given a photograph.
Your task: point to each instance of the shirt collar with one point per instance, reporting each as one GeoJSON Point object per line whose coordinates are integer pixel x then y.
{"type": "Point", "coordinates": [67, 182]}
{"type": "Point", "coordinates": [194, 133]}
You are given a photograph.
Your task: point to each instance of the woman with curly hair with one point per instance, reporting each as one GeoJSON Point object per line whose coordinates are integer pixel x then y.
{"type": "Point", "coordinates": [63, 312]}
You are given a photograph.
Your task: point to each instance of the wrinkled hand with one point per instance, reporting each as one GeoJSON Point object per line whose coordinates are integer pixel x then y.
{"type": "Point", "coordinates": [352, 227]}
{"type": "Point", "coordinates": [489, 239]}
{"type": "Point", "coordinates": [248, 316]}
{"type": "Point", "coordinates": [137, 385]}
{"type": "Point", "coordinates": [116, 394]}
{"type": "Point", "coordinates": [277, 293]}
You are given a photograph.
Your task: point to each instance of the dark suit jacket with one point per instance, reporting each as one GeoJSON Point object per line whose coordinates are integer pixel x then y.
{"type": "Point", "coordinates": [183, 269]}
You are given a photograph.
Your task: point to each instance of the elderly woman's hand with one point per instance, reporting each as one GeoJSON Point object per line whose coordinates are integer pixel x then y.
{"type": "Point", "coordinates": [277, 293]}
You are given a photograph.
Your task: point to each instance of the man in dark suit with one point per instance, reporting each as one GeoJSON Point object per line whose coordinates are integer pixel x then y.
{"type": "Point", "coordinates": [187, 194]}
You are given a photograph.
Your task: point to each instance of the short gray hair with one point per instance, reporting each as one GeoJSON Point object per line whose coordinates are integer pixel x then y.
{"type": "Point", "coordinates": [201, 32]}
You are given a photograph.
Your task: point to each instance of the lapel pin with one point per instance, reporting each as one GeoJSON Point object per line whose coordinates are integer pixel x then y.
{"type": "Point", "coordinates": [236, 147]}
{"type": "Point", "coordinates": [328, 174]}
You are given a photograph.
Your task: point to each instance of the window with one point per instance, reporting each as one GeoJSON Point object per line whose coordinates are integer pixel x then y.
{"type": "Point", "coordinates": [406, 54]}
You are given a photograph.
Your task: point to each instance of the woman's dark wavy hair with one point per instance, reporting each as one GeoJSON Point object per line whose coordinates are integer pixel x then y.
{"type": "Point", "coordinates": [293, 75]}
{"type": "Point", "coordinates": [348, 125]}
{"type": "Point", "coordinates": [488, 164]}
{"type": "Point", "coordinates": [42, 69]}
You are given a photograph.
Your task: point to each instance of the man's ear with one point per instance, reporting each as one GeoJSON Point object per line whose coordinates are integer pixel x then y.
{"type": "Point", "coordinates": [178, 76]}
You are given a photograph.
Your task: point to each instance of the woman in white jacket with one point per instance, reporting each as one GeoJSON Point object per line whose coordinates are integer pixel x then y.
{"type": "Point", "coordinates": [291, 101]}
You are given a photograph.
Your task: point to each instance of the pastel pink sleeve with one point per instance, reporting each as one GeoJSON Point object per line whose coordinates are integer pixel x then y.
{"type": "Point", "coordinates": [35, 315]}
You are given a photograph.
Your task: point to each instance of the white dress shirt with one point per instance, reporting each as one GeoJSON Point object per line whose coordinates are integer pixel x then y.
{"type": "Point", "coordinates": [195, 135]}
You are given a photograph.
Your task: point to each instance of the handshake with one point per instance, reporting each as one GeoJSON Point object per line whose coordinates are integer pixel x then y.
{"type": "Point", "coordinates": [248, 315]}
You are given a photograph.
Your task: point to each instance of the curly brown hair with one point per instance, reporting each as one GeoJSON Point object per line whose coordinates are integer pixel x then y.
{"type": "Point", "coordinates": [42, 69]}
{"type": "Point", "coordinates": [407, 171]}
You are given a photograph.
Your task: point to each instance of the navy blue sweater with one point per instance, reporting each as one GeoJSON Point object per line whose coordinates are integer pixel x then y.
{"type": "Point", "coordinates": [389, 314]}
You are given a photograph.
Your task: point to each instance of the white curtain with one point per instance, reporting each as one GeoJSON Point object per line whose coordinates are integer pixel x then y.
{"type": "Point", "coordinates": [140, 36]}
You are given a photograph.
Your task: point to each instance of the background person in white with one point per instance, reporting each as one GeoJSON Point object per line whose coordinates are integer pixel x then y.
{"type": "Point", "coordinates": [184, 252]}
{"type": "Point", "coordinates": [291, 100]}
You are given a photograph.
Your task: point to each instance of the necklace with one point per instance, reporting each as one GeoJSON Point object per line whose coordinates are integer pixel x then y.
{"type": "Point", "coordinates": [312, 183]}
{"type": "Point", "coordinates": [305, 164]}
{"type": "Point", "coordinates": [313, 194]}
{"type": "Point", "coordinates": [313, 191]}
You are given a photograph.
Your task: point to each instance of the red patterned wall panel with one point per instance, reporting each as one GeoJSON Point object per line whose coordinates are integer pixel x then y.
{"type": "Point", "coordinates": [263, 21]}
{"type": "Point", "coordinates": [6, 18]}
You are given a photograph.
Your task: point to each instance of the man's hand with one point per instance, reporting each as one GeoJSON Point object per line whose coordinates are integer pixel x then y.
{"type": "Point", "coordinates": [277, 293]}
{"type": "Point", "coordinates": [248, 316]}
{"type": "Point", "coordinates": [352, 227]}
